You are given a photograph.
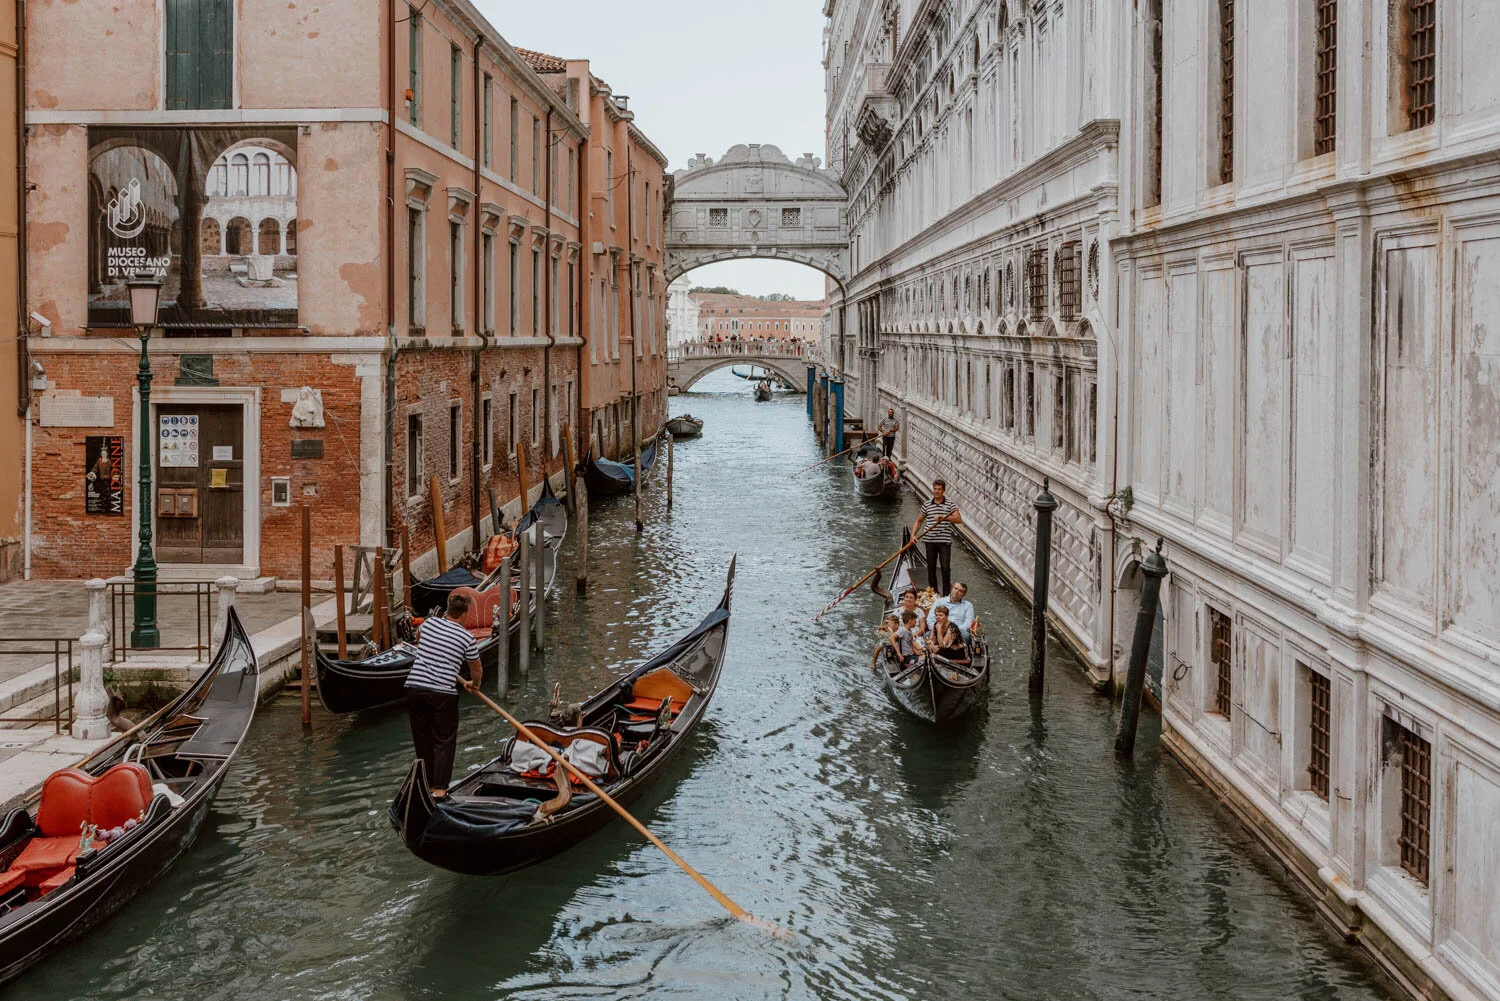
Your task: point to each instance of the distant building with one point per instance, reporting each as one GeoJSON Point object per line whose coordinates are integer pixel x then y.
{"type": "Point", "coordinates": [745, 316]}
{"type": "Point", "coordinates": [682, 313]}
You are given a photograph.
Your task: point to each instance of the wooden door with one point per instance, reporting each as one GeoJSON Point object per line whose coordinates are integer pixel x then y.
{"type": "Point", "coordinates": [200, 477]}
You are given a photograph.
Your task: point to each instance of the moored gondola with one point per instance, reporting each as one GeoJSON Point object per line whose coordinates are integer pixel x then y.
{"type": "Point", "coordinates": [608, 477]}
{"type": "Point", "coordinates": [685, 426]}
{"type": "Point", "coordinates": [347, 686]}
{"type": "Point", "coordinates": [874, 474]}
{"type": "Point", "coordinates": [106, 830]}
{"type": "Point", "coordinates": [492, 820]}
{"type": "Point", "coordinates": [933, 689]}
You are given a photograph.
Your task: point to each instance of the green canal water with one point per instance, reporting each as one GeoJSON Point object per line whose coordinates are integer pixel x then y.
{"type": "Point", "coordinates": [1012, 857]}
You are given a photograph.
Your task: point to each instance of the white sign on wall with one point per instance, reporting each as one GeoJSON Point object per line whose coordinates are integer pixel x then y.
{"type": "Point", "coordinates": [178, 446]}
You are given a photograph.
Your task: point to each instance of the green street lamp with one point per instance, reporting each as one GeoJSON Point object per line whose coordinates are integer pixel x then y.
{"type": "Point", "coordinates": [145, 296]}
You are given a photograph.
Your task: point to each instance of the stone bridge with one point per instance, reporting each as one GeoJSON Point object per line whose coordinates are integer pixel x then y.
{"type": "Point", "coordinates": [687, 363]}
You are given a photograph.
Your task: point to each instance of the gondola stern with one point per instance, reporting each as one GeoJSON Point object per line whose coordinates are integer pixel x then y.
{"type": "Point", "coordinates": [724, 602]}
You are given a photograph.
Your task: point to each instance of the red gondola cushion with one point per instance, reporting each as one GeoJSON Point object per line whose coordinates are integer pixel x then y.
{"type": "Point", "coordinates": [72, 797]}
{"type": "Point", "coordinates": [55, 881]}
{"type": "Point", "coordinates": [10, 880]}
{"type": "Point", "coordinates": [46, 854]}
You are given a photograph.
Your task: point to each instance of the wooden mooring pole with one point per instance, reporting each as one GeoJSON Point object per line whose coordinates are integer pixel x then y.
{"type": "Point", "coordinates": [1045, 504]}
{"type": "Point", "coordinates": [406, 569]}
{"type": "Point", "coordinates": [539, 584]}
{"type": "Point", "coordinates": [525, 609]}
{"type": "Point", "coordinates": [439, 529]}
{"type": "Point", "coordinates": [338, 593]}
{"type": "Point", "coordinates": [670, 440]}
{"type": "Point", "coordinates": [1154, 567]}
{"type": "Point", "coordinates": [583, 532]}
{"type": "Point", "coordinates": [502, 628]}
{"type": "Point", "coordinates": [568, 454]}
{"type": "Point", "coordinates": [307, 638]}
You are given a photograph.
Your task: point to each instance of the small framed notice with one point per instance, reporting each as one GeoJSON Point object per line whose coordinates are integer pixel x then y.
{"type": "Point", "coordinates": [223, 453]}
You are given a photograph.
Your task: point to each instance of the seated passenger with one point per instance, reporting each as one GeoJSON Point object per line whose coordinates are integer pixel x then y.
{"type": "Point", "coordinates": [947, 639]}
{"type": "Point", "coordinates": [906, 640]}
{"type": "Point", "coordinates": [960, 610]}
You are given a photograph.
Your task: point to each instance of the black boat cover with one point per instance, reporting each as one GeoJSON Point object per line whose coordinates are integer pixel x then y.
{"type": "Point", "coordinates": [433, 592]}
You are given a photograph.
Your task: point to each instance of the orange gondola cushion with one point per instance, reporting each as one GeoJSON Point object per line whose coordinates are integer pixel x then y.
{"type": "Point", "coordinates": [46, 854]}
{"type": "Point", "coordinates": [72, 797]}
{"type": "Point", "coordinates": [55, 881]}
{"type": "Point", "coordinates": [10, 880]}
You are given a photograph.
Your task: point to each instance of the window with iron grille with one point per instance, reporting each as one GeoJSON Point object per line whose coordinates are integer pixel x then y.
{"type": "Point", "coordinates": [1226, 91]}
{"type": "Point", "coordinates": [1319, 728]}
{"type": "Point", "coordinates": [1221, 644]}
{"type": "Point", "coordinates": [1421, 62]}
{"type": "Point", "coordinates": [791, 218]}
{"type": "Point", "coordinates": [1416, 802]}
{"type": "Point", "coordinates": [1153, 29]}
{"type": "Point", "coordinates": [1036, 282]}
{"type": "Point", "coordinates": [718, 218]}
{"type": "Point", "coordinates": [1325, 122]}
{"type": "Point", "coordinates": [1069, 281]}
{"type": "Point", "coordinates": [1028, 413]}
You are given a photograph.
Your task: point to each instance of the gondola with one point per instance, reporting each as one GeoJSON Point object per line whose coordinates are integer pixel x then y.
{"type": "Point", "coordinates": [608, 477]}
{"type": "Point", "coordinates": [160, 781]}
{"type": "Point", "coordinates": [348, 686]}
{"type": "Point", "coordinates": [880, 480]}
{"type": "Point", "coordinates": [762, 391]}
{"type": "Point", "coordinates": [490, 823]}
{"type": "Point", "coordinates": [685, 426]}
{"type": "Point", "coordinates": [935, 689]}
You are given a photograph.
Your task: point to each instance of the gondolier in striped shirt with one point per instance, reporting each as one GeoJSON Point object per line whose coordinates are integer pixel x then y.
{"type": "Point", "coordinates": [888, 429]}
{"type": "Point", "coordinates": [444, 646]}
{"type": "Point", "coordinates": [940, 515]}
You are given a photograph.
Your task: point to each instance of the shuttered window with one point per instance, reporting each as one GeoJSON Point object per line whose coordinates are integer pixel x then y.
{"type": "Point", "coordinates": [200, 54]}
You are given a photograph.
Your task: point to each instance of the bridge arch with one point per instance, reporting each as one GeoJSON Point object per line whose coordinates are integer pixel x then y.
{"type": "Point", "coordinates": [686, 372]}
{"type": "Point", "coordinates": [754, 202]}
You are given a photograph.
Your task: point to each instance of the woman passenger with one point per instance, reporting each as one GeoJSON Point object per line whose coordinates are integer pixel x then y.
{"type": "Point", "coordinates": [947, 640]}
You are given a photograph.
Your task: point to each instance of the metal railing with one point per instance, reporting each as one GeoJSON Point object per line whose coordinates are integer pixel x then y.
{"type": "Point", "coordinates": [766, 347]}
{"type": "Point", "coordinates": [122, 596]}
{"type": "Point", "coordinates": [60, 649]}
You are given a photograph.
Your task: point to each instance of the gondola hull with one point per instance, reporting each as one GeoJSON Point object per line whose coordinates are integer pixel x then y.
{"type": "Point", "coordinates": [609, 478]}
{"type": "Point", "coordinates": [685, 427]}
{"type": "Point", "coordinates": [133, 863]}
{"type": "Point", "coordinates": [879, 484]}
{"type": "Point", "coordinates": [762, 393]}
{"type": "Point", "coordinates": [486, 835]}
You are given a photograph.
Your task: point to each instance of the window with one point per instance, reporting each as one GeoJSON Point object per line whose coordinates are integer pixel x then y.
{"type": "Point", "coordinates": [536, 417]}
{"type": "Point", "coordinates": [1319, 728]}
{"type": "Point", "coordinates": [718, 218]}
{"type": "Point", "coordinates": [489, 113]}
{"type": "Point", "coordinates": [1326, 65]}
{"type": "Point", "coordinates": [1226, 91]}
{"type": "Point", "coordinates": [536, 293]}
{"type": "Point", "coordinates": [572, 175]}
{"type": "Point", "coordinates": [455, 98]}
{"type": "Point", "coordinates": [1008, 399]}
{"type": "Point", "coordinates": [455, 440]}
{"type": "Point", "coordinates": [511, 427]}
{"type": "Point", "coordinates": [791, 218]}
{"type": "Point", "coordinates": [415, 267]}
{"type": "Point", "coordinates": [487, 261]}
{"type": "Point", "coordinates": [1069, 281]}
{"type": "Point", "coordinates": [1070, 417]}
{"type": "Point", "coordinates": [416, 463]}
{"type": "Point", "coordinates": [200, 54]}
{"type": "Point", "coordinates": [572, 299]}
{"type": "Point", "coordinates": [1036, 282]}
{"type": "Point", "coordinates": [515, 154]}
{"type": "Point", "coordinates": [1028, 412]}
{"type": "Point", "coordinates": [609, 184]}
{"type": "Point", "coordinates": [556, 292]}
{"type": "Point", "coordinates": [1090, 435]}
{"type": "Point", "coordinates": [487, 430]}
{"type": "Point", "coordinates": [1153, 102]}
{"type": "Point", "coordinates": [536, 155]}
{"type": "Point", "coordinates": [456, 276]}
{"type": "Point", "coordinates": [1415, 755]}
{"type": "Point", "coordinates": [1059, 415]}
{"type": "Point", "coordinates": [1420, 65]}
{"type": "Point", "coordinates": [1220, 653]}
{"type": "Point", "coordinates": [414, 65]}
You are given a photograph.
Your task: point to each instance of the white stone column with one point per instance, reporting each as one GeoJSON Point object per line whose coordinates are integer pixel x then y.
{"type": "Point", "coordinates": [228, 588]}
{"type": "Point", "coordinates": [91, 701]}
{"type": "Point", "coordinates": [99, 613]}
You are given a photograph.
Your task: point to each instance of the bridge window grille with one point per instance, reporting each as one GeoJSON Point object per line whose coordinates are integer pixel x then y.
{"type": "Point", "coordinates": [1221, 644]}
{"type": "Point", "coordinates": [1421, 62]}
{"type": "Point", "coordinates": [718, 218]}
{"type": "Point", "coordinates": [1319, 728]}
{"type": "Point", "coordinates": [1036, 282]}
{"type": "Point", "coordinates": [1226, 91]}
{"type": "Point", "coordinates": [1069, 281]}
{"type": "Point", "coordinates": [1325, 123]}
{"type": "Point", "coordinates": [791, 218]}
{"type": "Point", "coordinates": [1414, 837]}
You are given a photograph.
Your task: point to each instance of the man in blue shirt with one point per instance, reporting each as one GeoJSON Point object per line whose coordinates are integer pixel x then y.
{"type": "Point", "coordinates": [960, 609]}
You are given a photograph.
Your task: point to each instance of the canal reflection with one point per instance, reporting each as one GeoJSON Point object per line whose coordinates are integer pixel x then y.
{"type": "Point", "coordinates": [1008, 857]}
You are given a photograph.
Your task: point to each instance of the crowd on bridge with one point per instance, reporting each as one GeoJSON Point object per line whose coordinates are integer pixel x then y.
{"type": "Point", "coordinates": [719, 345]}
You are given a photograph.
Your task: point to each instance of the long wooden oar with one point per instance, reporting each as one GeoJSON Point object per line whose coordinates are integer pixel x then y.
{"type": "Point", "coordinates": [883, 564]}
{"type": "Point", "coordinates": [835, 455]}
{"type": "Point", "coordinates": [713, 891]}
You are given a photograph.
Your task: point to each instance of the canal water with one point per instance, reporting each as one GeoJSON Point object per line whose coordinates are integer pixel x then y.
{"type": "Point", "coordinates": [1011, 857]}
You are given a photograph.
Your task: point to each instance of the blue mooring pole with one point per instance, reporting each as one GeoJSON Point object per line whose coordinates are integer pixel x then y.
{"type": "Point", "coordinates": [838, 416]}
{"type": "Point", "coordinates": [812, 382]}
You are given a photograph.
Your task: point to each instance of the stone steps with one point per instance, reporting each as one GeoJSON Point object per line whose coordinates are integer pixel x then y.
{"type": "Point", "coordinates": [27, 687]}
{"type": "Point", "coordinates": [32, 712]}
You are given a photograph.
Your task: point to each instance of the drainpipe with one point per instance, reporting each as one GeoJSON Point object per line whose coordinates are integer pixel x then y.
{"type": "Point", "coordinates": [547, 307]}
{"type": "Point", "coordinates": [635, 399]}
{"type": "Point", "coordinates": [390, 277]}
{"type": "Point", "coordinates": [23, 352]}
{"type": "Point", "coordinates": [478, 354]}
{"type": "Point", "coordinates": [585, 275]}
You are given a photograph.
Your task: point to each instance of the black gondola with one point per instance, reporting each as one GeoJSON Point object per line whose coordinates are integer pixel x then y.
{"type": "Point", "coordinates": [608, 477]}
{"type": "Point", "coordinates": [763, 391]}
{"type": "Point", "coordinates": [348, 686]}
{"type": "Point", "coordinates": [490, 823]}
{"type": "Point", "coordinates": [934, 689]}
{"type": "Point", "coordinates": [876, 480]}
{"type": "Point", "coordinates": [161, 781]}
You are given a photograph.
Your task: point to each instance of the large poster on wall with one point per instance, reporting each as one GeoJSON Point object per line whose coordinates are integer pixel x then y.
{"type": "Point", "coordinates": [211, 211]}
{"type": "Point", "coordinates": [104, 483]}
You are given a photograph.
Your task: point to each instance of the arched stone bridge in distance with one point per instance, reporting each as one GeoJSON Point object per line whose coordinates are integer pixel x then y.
{"type": "Point", "coordinates": [687, 363]}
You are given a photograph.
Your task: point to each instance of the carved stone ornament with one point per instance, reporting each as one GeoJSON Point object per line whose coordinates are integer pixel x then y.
{"type": "Point", "coordinates": [307, 412]}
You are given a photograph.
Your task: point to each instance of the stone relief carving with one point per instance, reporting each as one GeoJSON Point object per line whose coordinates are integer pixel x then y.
{"type": "Point", "coordinates": [307, 412]}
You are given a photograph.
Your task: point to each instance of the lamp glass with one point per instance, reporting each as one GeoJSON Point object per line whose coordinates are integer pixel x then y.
{"type": "Point", "coordinates": [145, 294]}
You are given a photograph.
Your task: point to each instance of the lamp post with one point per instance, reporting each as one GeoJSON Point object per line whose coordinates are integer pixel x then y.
{"type": "Point", "coordinates": [145, 296]}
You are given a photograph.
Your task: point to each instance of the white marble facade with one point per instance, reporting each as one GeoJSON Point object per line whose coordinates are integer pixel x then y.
{"type": "Point", "coordinates": [1264, 337]}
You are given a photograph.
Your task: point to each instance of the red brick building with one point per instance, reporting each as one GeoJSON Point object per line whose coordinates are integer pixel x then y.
{"type": "Point", "coordinates": [721, 314]}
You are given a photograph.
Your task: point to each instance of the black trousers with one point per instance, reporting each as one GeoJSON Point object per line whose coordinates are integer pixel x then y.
{"type": "Point", "coordinates": [939, 564]}
{"type": "Point", "coordinates": [889, 441]}
{"type": "Point", "coordinates": [434, 732]}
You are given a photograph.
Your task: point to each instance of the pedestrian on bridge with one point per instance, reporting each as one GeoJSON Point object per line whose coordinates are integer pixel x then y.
{"type": "Point", "coordinates": [942, 514]}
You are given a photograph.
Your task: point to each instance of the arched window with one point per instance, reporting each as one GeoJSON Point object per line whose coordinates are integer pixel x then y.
{"type": "Point", "coordinates": [217, 179]}
{"type": "Point", "coordinates": [237, 237]}
{"type": "Point", "coordinates": [291, 237]}
{"type": "Point", "coordinates": [239, 175]}
{"type": "Point", "coordinates": [260, 181]}
{"type": "Point", "coordinates": [212, 238]}
{"type": "Point", "coordinates": [270, 237]}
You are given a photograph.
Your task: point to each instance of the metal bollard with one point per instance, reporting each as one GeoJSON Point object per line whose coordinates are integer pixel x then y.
{"type": "Point", "coordinates": [1045, 504]}
{"type": "Point", "coordinates": [1155, 568]}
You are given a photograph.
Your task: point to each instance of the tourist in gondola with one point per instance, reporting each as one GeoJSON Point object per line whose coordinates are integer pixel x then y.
{"type": "Point", "coordinates": [906, 638]}
{"type": "Point", "coordinates": [919, 626]}
{"type": "Point", "coordinates": [942, 514]}
{"type": "Point", "coordinates": [960, 609]}
{"type": "Point", "coordinates": [888, 430]}
{"type": "Point", "coordinates": [947, 639]}
{"type": "Point", "coordinates": [444, 646]}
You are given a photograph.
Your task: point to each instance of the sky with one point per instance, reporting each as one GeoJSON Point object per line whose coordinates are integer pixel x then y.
{"type": "Point", "coordinates": [701, 77]}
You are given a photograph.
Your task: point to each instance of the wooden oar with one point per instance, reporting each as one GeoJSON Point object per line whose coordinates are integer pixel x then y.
{"type": "Point", "coordinates": [713, 891]}
{"type": "Point", "coordinates": [820, 462]}
{"type": "Point", "coordinates": [883, 564]}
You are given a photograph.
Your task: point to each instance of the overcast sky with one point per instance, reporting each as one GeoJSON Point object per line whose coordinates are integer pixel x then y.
{"type": "Point", "coordinates": [701, 76]}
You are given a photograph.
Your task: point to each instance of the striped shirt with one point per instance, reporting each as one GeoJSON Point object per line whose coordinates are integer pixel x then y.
{"type": "Point", "coordinates": [888, 427]}
{"type": "Point", "coordinates": [940, 531]}
{"type": "Point", "coordinates": [443, 647]}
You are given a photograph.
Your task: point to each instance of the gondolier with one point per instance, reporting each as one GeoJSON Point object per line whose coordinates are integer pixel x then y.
{"type": "Point", "coordinates": [444, 647]}
{"type": "Point", "coordinates": [941, 515]}
{"type": "Point", "coordinates": [888, 430]}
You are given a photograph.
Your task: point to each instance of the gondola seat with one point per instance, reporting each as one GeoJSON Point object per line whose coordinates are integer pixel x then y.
{"type": "Point", "coordinates": [10, 881]}
{"type": "Point", "coordinates": [71, 799]}
{"type": "Point", "coordinates": [55, 881]}
{"type": "Point", "coordinates": [649, 689]}
{"type": "Point", "coordinates": [558, 738]}
{"type": "Point", "coordinates": [479, 620]}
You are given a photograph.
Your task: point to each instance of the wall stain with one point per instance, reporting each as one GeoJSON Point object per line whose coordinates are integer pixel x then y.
{"type": "Point", "coordinates": [45, 236]}
{"type": "Point", "coordinates": [365, 281]}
